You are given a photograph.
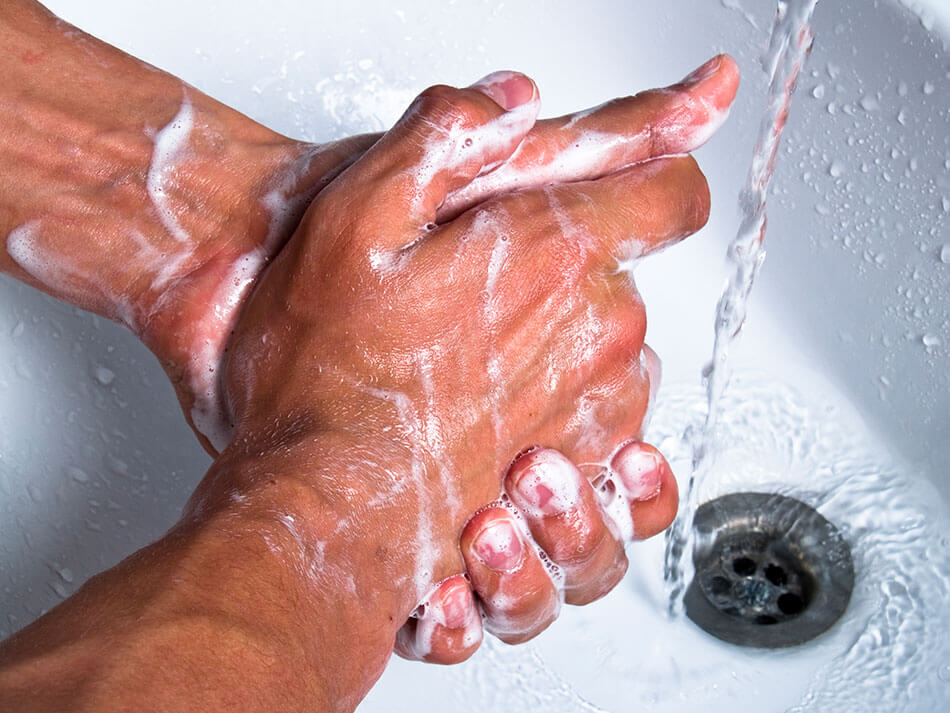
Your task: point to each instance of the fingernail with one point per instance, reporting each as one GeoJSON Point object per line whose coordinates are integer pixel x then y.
{"type": "Point", "coordinates": [547, 485]}
{"type": "Point", "coordinates": [507, 89]}
{"type": "Point", "coordinates": [499, 546]}
{"type": "Point", "coordinates": [703, 72]}
{"type": "Point", "coordinates": [639, 469]}
{"type": "Point", "coordinates": [456, 605]}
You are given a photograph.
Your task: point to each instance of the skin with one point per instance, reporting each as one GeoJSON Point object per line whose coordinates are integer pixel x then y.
{"type": "Point", "coordinates": [373, 370]}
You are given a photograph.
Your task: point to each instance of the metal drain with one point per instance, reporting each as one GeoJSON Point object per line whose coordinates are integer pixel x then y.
{"type": "Point", "coordinates": [770, 571]}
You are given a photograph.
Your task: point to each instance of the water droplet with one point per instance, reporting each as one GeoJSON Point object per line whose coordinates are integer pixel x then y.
{"type": "Point", "coordinates": [35, 493]}
{"type": "Point", "coordinates": [930, 340]}
{"type": "Point", "coordinates": [928, 88]}
{"type": "Point", "coordinates": [902, 89]}
{"type": "Point", "coordinates": [836, 169]}
{"type": "Point", "coordinates": [819, 91]}
{"type": "Point", "coordinates": [117, 465]}
{"type": "Point", "coordinates": [77, 474]}
{"type": "Point", "coordinates": [902, 118]}
{"type": "Point", "coordinates": [945, 204]}
{"type": "Point", "coordinates": [104, 375]}
{"type": "Point", "coordinates": [59, 589]}
{"type": "Point", "coordinates": [945, 254]}
{"type": "Point", "coordinates": [832, 108]}
{"type": "Point", "coordinates": [869, 103]}
{"type": "Point", "coordinates": [21, 369]}
{"type": "Point", "coordinates": [66, 573]}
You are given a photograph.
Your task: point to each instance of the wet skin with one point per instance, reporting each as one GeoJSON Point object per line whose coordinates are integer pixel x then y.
{"type": "Point", "coordinates": [450, 298]}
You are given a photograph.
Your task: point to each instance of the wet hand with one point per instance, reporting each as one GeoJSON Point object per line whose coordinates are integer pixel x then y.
{"type": "Point", "coordinates": [435, 350]}
{"type": "Point", "coordinates": [193, 311]}
{"type": "Point", "coordinates": [632, 495]}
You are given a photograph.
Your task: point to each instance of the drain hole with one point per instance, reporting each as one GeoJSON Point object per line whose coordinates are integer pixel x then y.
{"type": "Point", "coordinates": [776, 575]}
{"type": "Point", "coordinates": [791, 604]}
{"type": "Point", "coordinates": [743, 566]}
{"type": "Point", "coordinates": [770, 570]}
{"type": "Point", "coordinates": [719, 585]}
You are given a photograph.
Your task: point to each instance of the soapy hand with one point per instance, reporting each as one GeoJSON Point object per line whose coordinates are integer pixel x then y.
{"type": "Point", "coordinates": [180, 203]}
{"type": "Point", "coordinates": [425, 345]}
{"type": "Point", "coordinates": [188, 310]}
{"type": "Point", "coordinates": [458, 292]}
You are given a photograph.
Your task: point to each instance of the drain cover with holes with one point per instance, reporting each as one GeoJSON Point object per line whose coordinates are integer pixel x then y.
{"type": "Point", "coordinates": [770, 571]}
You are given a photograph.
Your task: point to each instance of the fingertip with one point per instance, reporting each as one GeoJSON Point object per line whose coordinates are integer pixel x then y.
{"type": "Point", "coordinates": [565, 519]}
{"type": "Point", "coordinates": [645, 479]}
{"type": "Point", "coordinates": [508, 89]}
{"type": "Point", "coordinates": [729, 77]}
{"type": "Point", "coordinates": [446, 630]}
{"type": "Point", "coordinates": [718, 78]}
{"type": "Point", "coordinates": [639, 467]}
{"type": "Point", "coordinates": [518, 597]}
{"type": "Point", "coordinates": [653, 516]}
{"type": "Point", "coordinates": [730, 68]}
{"type": "Point", "coordinates": [543, 482]}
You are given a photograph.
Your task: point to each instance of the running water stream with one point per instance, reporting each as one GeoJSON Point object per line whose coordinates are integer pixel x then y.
{"type": "Point", "coordinates": [789, 44]}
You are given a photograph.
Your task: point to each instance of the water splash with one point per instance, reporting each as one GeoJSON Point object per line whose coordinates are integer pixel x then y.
{"type": "Point", "coordinates": [789, 44]}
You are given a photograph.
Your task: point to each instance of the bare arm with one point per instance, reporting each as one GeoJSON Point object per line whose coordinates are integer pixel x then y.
{"type": "Point", "coordinates": [135, 196]}
{"type": "Point", "coordinates": [228, 611]}
{"type": "Point", "coordinates": [367, 406]}
{"type": "Point", "coordinates": [130, 194]}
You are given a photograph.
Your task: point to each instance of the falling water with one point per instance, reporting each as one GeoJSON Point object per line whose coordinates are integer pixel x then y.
{"type": "Point", "coordinates": [788, 46]}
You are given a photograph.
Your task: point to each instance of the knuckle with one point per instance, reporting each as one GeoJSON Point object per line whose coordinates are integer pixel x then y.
{"type": "Point", "coordinates": [447, 107]}
{"type": "Point", "coordinates": [583, 549]}
{"type": "Point", "coordinates": [626, 329]}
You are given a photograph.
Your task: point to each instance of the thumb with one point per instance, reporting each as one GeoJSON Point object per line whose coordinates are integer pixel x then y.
{"type": "Point", "coordinates": [446, 138]}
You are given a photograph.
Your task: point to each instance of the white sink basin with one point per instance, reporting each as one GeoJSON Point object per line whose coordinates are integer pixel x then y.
{"type": "Point", "coordinates": [842, 396]}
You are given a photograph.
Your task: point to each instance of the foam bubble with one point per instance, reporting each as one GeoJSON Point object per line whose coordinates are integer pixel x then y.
{"type": "Point", "coordinates": [170, 144]}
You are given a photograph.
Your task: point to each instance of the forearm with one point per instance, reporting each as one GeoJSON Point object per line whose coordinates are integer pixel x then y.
{"type": "Point", "coordinates": [256, 601]}
{"type": "Point", "coordinates": [135, 196]}
{"type": "Point", "coordinates": [114, 176]}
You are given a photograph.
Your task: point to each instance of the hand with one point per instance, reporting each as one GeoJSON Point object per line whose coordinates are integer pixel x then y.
{"type": "Point", "coordinates": [414, 397]}
{"type": "Point", "coordinates": [636, 486]}
{"type": "Point", "coordinates": [191, 337]}
{"type": "Point", "coordinates": [581, 146]}
{"type": "Point", "coordinates": [158, 207]}
{"type": "Point", "coordinates": [338, 502]}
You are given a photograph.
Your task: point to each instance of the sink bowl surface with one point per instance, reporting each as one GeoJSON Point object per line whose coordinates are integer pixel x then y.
{"type": "Point", "coordinates": [841, 395]}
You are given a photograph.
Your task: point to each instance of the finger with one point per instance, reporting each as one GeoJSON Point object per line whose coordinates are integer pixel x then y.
{"type": "Point", "coordinates": [518, 597]}
{"type": "Point", "coordinates": [446, 629]}
{"type": "Point", "coordinates": [629, 214]}
{"type": "Point", "coordinates": [567, 522]}
{"type": "Point", "coordinates": [589, 144]}
{"type": "Point", "coordinates": [446, 138]}
{"type": "Point", "coordinates": [639, 491]}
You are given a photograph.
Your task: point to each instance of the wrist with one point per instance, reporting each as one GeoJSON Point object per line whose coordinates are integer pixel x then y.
{"type": "Point", "coordinates": [312, 500]}
{"type": "Point", "coordinates": [134, 196]}
{"type": "Point", "coordinates": [290, 519]}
